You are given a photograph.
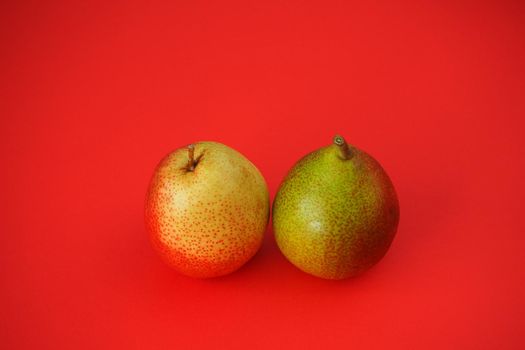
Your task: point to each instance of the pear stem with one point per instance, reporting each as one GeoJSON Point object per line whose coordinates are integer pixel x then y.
{"type": "Point", "coordinates": [343, 147]}
{"type": "Point", "coordinates": [191, 159]}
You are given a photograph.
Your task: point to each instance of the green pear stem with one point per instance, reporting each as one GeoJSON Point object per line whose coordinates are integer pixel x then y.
{"type": "Point", "coordinates": [343, 147]}
{"type": "Point", "coordinates": [191, 157]}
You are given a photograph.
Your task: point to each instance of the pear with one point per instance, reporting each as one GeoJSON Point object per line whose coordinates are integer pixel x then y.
{"type": "Point", "coordinates": [206, 210]}
{"type": "Point", "coordinates": [336, 212]}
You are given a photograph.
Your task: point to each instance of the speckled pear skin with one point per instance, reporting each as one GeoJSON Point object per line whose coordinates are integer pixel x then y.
{"type": "Point", "coordinates": [334, 217]}
{"type": "Point", "coordinates": [210, 221]}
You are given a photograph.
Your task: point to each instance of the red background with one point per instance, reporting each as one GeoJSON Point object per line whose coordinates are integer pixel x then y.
{"type": "Point", "coordinates": [93, 95]}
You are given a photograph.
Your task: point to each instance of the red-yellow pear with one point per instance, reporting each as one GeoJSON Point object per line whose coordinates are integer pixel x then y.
{"type": "Point", "coordinates": [336, 212]}
{"type": "Point", "coordinates": [207, 209]}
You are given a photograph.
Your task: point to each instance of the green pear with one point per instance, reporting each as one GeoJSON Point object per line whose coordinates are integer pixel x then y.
{"type": "Point", "coordinates": [336, 212]}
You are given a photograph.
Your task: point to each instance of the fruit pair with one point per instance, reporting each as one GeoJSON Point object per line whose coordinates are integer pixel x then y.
{"type": "Point", "coordinates": [334, 216]}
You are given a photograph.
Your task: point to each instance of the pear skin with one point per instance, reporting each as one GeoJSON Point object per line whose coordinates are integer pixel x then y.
{"type": "Point", "coordinates": [207, 209]}
{"type": "Point", "coordinates": [336, 212]}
